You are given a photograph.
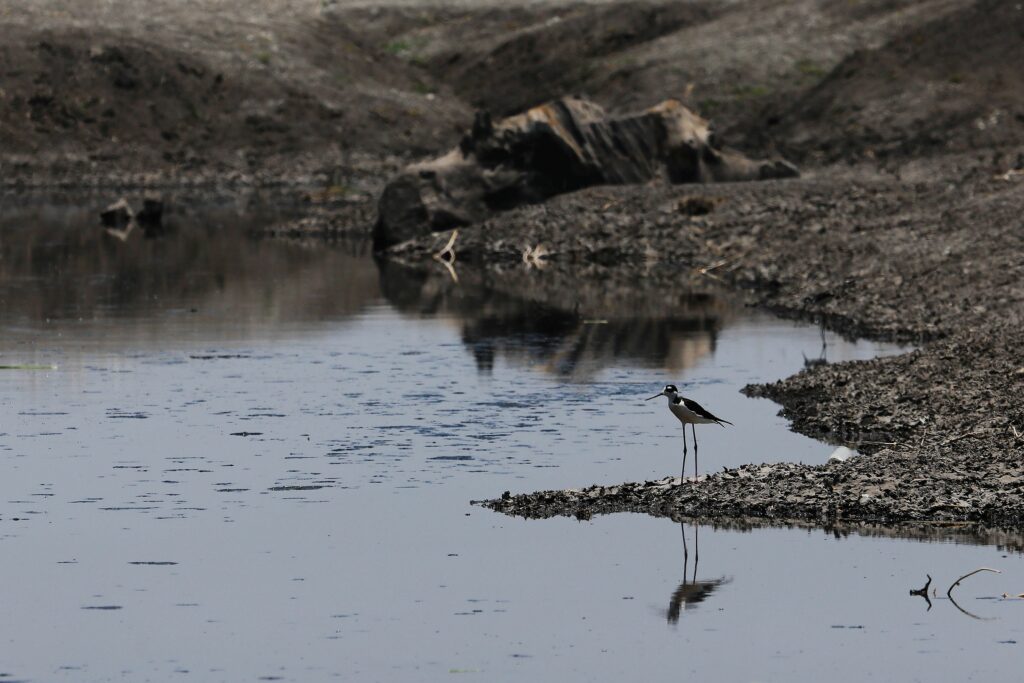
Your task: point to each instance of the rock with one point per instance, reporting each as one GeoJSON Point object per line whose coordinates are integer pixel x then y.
{"type": "Point", "coordinates": [698, 206]}
{"type": "Point", "coordinates": [558, 147]}
{"type": "Point", "coordinates": [842, 454]}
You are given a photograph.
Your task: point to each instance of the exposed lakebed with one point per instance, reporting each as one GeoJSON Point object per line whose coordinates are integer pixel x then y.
{"type": "Point", "coordinates": [254, 460]}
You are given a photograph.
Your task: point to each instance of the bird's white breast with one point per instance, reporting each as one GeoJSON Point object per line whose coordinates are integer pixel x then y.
{"type": "Point", "coordinates": [686, 415]}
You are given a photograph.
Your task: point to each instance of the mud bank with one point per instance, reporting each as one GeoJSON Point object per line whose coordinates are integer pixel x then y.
{"type": "Point", "coordinates": [866, 254]}
{"type": "Point", "coordinates": [939, 429]}
{"type": "Point", "coordinates": [762, 495]}
{"type": "Point", "coordinates": [927, 459]}
{"type": "Point", "coordinates": [938, 262]}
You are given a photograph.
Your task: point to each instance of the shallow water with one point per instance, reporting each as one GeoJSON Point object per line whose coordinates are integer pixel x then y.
{"type": "Point", "coordinates": [255, 460]}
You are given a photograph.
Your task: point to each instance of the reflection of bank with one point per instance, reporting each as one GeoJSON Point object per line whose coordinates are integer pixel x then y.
{"type": "Point", "coordinates": [568, 321]}
{"type": "Point", "coordinates": [205, 277]}
{"type": "Point", "coordinates": [691, 592]}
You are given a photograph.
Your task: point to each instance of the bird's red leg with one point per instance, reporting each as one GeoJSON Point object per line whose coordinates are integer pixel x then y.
{"type": "Point", "coordinates": [695, 475]}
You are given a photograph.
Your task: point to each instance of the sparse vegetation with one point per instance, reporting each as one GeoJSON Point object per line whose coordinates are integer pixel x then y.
{"type": "Point", "coordinates": [397, 47]}
{"type": "Point", "coordinates": [810, 68]}
{"type": "Point", "coordinates": [749, 92]}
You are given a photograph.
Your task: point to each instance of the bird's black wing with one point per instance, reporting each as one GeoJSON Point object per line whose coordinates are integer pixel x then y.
{"type": "Point", "coordinates": [699, 409]}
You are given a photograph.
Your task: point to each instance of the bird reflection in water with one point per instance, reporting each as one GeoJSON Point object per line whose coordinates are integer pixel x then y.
{"type": "Point", "coordinates": [691, 592]}
{"type": "Point", "coordinates": [821, 359]}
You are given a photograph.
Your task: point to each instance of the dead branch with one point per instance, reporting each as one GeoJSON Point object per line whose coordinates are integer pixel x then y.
{"type": "Point", "coordinates": [448, 253]}
{"type": "Point", "coordinates": [922, 591]}
{"type": "Point", "coordinates": [957, 582]}
{"type": "Point", "coordinates": [949, 593]}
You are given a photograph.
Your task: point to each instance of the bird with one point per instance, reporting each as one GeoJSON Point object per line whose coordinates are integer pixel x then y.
{"type": "Point", "coordinates": [688, 412]}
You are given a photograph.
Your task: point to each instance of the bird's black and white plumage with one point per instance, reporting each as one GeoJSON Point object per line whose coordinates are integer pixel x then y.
{"type": "Point", "coordinates": [688, 412]}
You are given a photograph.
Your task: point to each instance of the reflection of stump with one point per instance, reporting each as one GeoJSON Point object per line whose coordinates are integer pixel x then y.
{"type": "Point", "coordinates": [119, 219]}
{"type": "Point", "coordinates": [150, 218]}
{"type": "Point", "coordinates": [118, 215]}
{"type": "Point", "coordinates": [561, 146]}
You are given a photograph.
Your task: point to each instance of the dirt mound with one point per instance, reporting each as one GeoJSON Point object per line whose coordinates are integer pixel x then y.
{"type": "Point", "coordinates": [952, 85]}
{"type": "Point", "coordinates": [538, 56]}
{"type": "Point", "coordinates": [121, 98]}
{"type": "Point", "coordinates": [735, 62]}
{"type": "Point", "coordinates": [256, 84]}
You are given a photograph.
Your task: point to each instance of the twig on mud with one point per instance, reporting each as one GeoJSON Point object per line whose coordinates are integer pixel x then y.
{"type": "Point", "coordinates": [957, 582]}
{"type": "Point", "coordinates": [534, 257]}
{"type": "Point", "coordinates": [978, 432]}
{"type": "Point", "coordinates": [1016, 434]}
{"type": "Point", "coordinates": [706, 270]}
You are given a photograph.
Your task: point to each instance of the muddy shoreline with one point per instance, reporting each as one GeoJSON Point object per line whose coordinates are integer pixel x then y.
{"type": "Point", "coordinates": [941, 429]}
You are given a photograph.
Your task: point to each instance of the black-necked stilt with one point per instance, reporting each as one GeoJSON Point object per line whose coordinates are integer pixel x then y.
{"type": "Point", "coordinates": [689, 412]}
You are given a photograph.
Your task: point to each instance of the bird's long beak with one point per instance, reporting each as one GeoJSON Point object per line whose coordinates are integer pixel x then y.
{"type": "Point", "coordinates": [655, 396]}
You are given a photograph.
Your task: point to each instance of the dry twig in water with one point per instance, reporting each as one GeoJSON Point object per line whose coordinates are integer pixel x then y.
{"type": "Point", "coordinates": [923, 592]}
{"type": "Point", "coordinates": [448, 253]}
{"type": "Point", "coordinates": [949, 593]}
{"type": "Point", "coordinates": [446, 256]}
{"type": "Point", "coordinates": [957, 582]}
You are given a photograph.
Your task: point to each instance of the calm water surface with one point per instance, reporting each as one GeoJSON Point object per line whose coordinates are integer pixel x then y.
{"type": "Point", "coordinates": [254, 461]}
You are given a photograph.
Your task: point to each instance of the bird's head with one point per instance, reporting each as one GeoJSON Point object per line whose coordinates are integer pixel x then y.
{"type": "Point", "coordinates": [669, 390]}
